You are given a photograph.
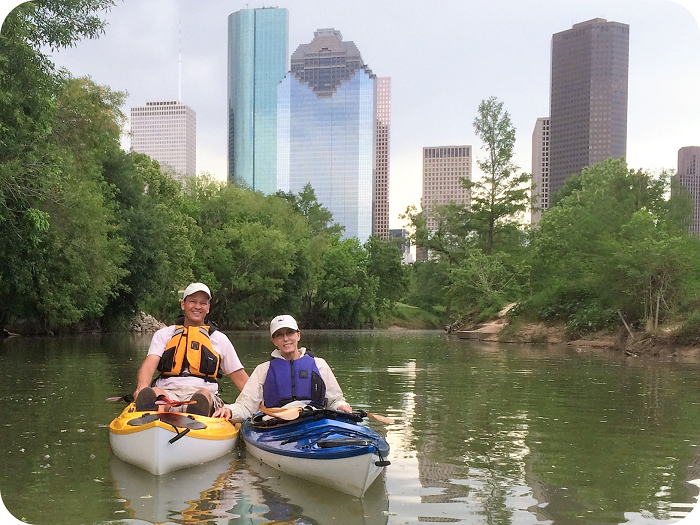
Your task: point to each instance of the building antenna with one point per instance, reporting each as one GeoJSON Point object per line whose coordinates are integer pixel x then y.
{"type": "Point", "coordinates": [179, 66]}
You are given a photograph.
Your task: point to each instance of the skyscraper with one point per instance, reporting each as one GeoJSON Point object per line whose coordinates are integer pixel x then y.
{"type": "Point", "coordinates": [257, 61]}
{"type": "Point", "coordinates": [689, 176]}
{"type": "Point", "coordinates": [167, 132]}
{"type": "Point", "coordinates": [443, 167]}
{"type": "Point", "coordinates": [380, 226]}
{"type": "Point", "coordinates": [588, 97]}
{"type": "Point", "coordinates": [326, 129]}
{"type": "Point", "coordinates": [540, 169]}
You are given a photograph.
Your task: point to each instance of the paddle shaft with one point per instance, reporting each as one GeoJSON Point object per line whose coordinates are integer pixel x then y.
{"type": "Point", "coordinates": [290, 414]}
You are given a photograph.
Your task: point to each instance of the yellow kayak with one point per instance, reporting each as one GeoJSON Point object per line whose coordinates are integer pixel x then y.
{"type": "Point", "coordinates": [160, 442]}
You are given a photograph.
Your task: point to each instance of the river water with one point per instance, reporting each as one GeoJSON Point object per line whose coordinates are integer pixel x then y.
{"type": "Point", "coordinates": [484, 434]}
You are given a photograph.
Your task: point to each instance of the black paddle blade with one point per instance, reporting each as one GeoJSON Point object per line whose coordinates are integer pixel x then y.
{"type": "Point", "coordinates": [143, 420]}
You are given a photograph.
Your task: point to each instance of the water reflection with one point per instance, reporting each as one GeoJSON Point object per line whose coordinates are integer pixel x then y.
{"type": "Point", "coordinates": [244, 491]}
{"type": "Point", "coordinates": [196, 495]}
{"type": "Point", "coordinates": [289, 498]}
{"type": "Point", "coordinates": [458, 491]}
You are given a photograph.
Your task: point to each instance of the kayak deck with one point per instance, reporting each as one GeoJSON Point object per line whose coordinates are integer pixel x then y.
{"type": "Point", "coordinates": [325, 447]}
{"type": "Point", "coordinates": [161, 442]}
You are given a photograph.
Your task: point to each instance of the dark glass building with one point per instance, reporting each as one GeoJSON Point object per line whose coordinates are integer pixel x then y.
{"type": "Point", "coordinates": [588, 97]}
{"type": "Point", "coordinates": [257, 61]}
{"type": "Point", "coordinates": [326, 130]}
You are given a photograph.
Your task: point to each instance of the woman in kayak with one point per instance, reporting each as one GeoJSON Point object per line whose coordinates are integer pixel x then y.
{"type": "Point", "coordinates": [292, 378]}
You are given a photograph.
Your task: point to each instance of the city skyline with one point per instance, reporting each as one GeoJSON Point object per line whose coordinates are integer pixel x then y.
{"type": "Point", "coordinates": [258, 51]}
{"type": "Point", "coordinates": [326, 129]}
{"type": "Point", "coordinates": [438, 80]}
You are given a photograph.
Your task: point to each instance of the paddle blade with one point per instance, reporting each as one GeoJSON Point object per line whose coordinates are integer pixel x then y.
{"type": "Point", "coordinates": [383, 419]}
{"type": "Point", "coordinates": [128, 398]}
{"type": "Point", "coordinates": [288, 414]}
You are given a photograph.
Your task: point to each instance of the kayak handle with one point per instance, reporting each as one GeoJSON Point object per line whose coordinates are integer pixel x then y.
{"type": "Point", "coordinates": [180, 435]}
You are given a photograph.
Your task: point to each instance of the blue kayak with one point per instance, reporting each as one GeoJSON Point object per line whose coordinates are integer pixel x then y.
{"type": "Point", "coordinates": [324, 446]}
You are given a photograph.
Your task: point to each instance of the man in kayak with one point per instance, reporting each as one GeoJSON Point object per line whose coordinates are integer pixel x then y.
{"type": "Point", "coordinates": [190, 356]}
{"type": "Point", "coordinates": [292, 378]}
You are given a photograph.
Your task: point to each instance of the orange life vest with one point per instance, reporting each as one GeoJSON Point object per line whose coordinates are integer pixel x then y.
{"type": "Point", "coordinates": [190, 352]}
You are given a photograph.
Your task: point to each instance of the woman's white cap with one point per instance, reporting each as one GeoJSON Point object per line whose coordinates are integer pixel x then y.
{"type": "Point", "coordinates": [194, 288]}
{"type": "Point", "coordinates": [283, 321]}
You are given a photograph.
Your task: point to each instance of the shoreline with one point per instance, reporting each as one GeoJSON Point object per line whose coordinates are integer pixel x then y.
{"type": "Point", "coordinates": [632, 345]}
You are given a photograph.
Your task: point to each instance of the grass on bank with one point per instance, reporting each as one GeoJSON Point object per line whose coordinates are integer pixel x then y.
{"type": "Point", "coordinates": [416, 318]}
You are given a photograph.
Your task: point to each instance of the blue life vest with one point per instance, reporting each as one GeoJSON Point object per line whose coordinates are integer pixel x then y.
{"type": "Point", "coordinates": [297, 380]}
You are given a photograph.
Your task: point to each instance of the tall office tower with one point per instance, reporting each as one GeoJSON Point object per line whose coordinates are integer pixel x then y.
{"type": "Point", "coordinates": [588, 97]}
{"type": "Point", "coordinates": [443, 166]}
{"type": "Point", "coordinates": [258, 46]}
{"type": "Point", "coordinates": [689, 176]}
{"type": "Point", "coordinates": [166, 132]}
{"type": "Point", "coordinates": [400, 237]}
{"type": "Point", "coordinates": [540, 169]}
{"type": "Point", "coordinates": [380, 225]}
{"type": "Point", "coordinates": [326, 129]}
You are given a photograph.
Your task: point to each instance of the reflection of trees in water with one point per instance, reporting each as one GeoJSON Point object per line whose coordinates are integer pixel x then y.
{"type": "Point", "coordinates": [469, 443]}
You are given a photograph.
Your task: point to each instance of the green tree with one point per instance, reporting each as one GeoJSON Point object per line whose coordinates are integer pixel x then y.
{"type": "Point", "coordinates": [346, 293]}
{"type": "Point", "coordinates": [153, 222]}
{"type": "Point", "coordinates": [612, 246]}
{"type": "Point", "coordinates": [384, 263]}
{"type": "Point", "coordinates": [498, 199]}
{"type": "Point", "coordinates": [320, 219]}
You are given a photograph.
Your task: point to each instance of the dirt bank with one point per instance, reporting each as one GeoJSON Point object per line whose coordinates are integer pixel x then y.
{"type": "Point", "coordinates": [637, 344]}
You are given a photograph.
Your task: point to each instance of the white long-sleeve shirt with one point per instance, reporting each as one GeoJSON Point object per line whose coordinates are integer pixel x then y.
{"type": "Point", "coordinates": [248, 401]}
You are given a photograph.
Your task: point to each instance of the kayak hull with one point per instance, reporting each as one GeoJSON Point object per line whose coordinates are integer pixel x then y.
{"type": "Point", "coordinates": [163, 445]}
{"type": "Point", "coordinates": [330, 451]}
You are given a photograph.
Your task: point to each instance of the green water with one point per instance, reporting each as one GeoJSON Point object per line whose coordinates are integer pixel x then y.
{"type": "Point", "coordinates": [484, 434]}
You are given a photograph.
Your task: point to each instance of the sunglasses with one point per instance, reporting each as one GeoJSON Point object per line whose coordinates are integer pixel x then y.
{"type": "Point", "coordinates": [283, 333]}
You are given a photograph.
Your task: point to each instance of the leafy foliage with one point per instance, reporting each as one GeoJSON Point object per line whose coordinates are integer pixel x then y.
{"type": "Point", "coordinates": [613, 246]}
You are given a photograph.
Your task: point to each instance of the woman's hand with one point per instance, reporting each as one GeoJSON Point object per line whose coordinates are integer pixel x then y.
{"type": "Point", "coordinates": [224, 412]}
{"type": "Point", "coordinates": [345, 408]}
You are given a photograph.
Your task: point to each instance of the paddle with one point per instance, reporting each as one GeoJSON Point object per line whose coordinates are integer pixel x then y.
{"type": "Point", "coordinates": [170, 403]}
{"type": "Point", "coordinates": [290, 414]}
{"type": "Point", "coordinates": [128, 398]}
{"type": "Point", "coordinates": [378, 417]}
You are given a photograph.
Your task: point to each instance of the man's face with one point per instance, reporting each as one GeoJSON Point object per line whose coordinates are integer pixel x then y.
{"type": "Point", "coordinates": [196, 308]}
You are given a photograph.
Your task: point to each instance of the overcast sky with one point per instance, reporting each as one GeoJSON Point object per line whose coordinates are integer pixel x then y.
{"type": "Point", "coordinates": [443, 58]}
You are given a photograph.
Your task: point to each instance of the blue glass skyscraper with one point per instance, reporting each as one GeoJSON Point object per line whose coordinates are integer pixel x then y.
{"type": "Point", "coordinates": [257, 61]}
{"type": "Point", "coordinates": [326, 130]}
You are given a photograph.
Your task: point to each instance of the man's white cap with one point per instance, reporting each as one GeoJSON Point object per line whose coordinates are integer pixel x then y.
{"type": "Point", "coordinates": [283, 321]}
{"type": "Point", "coordinates": [194, 288]}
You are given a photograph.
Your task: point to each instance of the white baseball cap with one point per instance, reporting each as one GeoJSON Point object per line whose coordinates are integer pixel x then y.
{"type": "Point", "coordinates": [194, 288]}
{"type": "Point", "coordinates": [283, 321]}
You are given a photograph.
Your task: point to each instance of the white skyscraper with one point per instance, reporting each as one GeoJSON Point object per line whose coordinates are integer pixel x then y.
{"type": "Point", "coordinates": [166, 132]}
{"type": "Point", "coordinates": [540, 169]}
{"type": "Point", "coordinates": [380, 225]}
{"type": "Point", "coordinates": [443, 167]}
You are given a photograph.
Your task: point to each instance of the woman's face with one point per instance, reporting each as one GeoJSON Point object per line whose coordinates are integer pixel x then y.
{"type": "Point", "coordinates": [287, 341]}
